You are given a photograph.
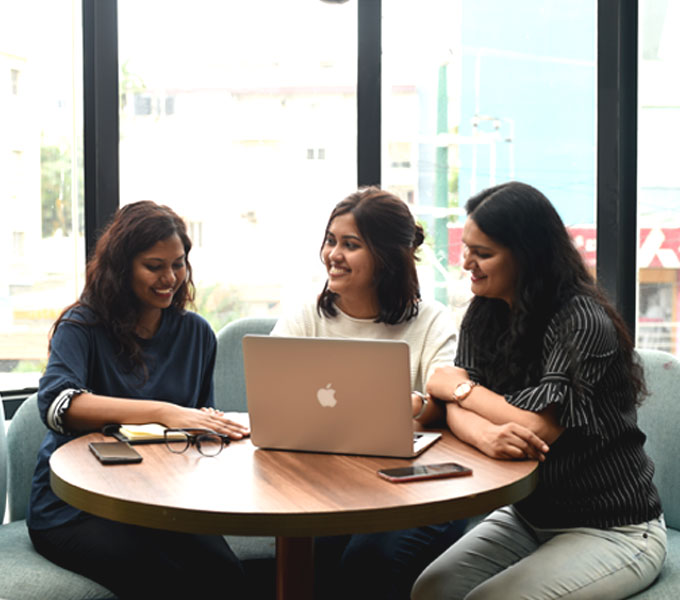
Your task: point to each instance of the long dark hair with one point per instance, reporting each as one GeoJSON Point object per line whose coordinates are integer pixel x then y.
{"type": "Point", "coordinates": [108, 293]}
{"type": "Point", "coordinates": [392, 236]}
{"type": "Point", "coordinates": [550, 271]}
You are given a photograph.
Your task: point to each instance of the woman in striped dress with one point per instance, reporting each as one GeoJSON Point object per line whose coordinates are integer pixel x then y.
{"type": "Point", "coordinates": [546, 367]}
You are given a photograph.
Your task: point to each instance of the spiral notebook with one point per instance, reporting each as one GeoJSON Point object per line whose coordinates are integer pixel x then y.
{"type": "Point", "coordinates": [344, 396]}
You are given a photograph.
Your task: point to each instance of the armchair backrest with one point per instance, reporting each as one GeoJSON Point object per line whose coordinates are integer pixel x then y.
{"type": "Point", "coordinates": [3, 462]}
{"type": "Point", "coordinates": [659, 419]}
{"type": "Point", "coordinates": [230, 385]}
{"type": "Point", "coordinates": [24, 436]}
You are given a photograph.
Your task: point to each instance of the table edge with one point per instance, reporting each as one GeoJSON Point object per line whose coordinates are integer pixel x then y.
{"type": "Point", "coordinates": [296, 524]}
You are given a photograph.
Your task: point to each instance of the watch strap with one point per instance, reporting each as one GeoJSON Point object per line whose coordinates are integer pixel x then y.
{"type": "Point", "coordinates": [423, 407]}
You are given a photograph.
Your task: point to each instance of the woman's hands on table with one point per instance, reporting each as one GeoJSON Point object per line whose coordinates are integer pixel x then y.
{"type": "Point", "coordinates": [511, 441]}
{"type": "Point", "coordinates": [204, 418]}
{"type": "Point", "coordinates": [486, 420]}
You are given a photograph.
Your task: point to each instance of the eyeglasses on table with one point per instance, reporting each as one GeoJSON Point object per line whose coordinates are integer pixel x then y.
{"type": "Point", "coordinates": [207, 441]}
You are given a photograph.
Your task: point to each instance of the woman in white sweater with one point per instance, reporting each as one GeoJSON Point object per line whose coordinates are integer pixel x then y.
{"type": "Point", "coordinates": [372, 291]}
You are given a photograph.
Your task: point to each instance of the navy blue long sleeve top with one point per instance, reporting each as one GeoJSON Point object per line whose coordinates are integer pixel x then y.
{"type": "Point", "coordinates": [180, 359]}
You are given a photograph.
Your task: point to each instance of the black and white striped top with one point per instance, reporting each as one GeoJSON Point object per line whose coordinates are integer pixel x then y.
{"type": "Point", "coordinates": [597, 473]}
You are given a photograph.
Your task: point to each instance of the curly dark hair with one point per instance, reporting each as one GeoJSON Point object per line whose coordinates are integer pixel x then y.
{"type": "Point", "coordinates": [392, 237]}
{"type": "Point", "coordinates": [550, 271]}
{"type": "Point", "coordinates": [108, 293]}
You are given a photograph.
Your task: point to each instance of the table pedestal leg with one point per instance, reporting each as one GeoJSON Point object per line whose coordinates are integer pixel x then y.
{"type": "Point", "coordinates": [294, 568]}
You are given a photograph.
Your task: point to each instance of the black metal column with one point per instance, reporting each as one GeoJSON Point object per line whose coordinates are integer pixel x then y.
{"type": "Point", "coordinates": [617, 74]}
{"type": "Point", "coordinates": [369, 92]}
{"type": "Point", "coordinates": [101, 126]}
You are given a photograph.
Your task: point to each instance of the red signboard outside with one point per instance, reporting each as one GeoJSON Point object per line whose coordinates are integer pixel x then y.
{"type": "Point", "coordinates": [659, 246]}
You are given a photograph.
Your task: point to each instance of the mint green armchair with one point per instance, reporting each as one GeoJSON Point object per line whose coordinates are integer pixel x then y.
{"type": "Point", "coordinates": [26, 575]}
{"type": "Point", "coordinates": [659, 418]}
{"type": "Point", "coordinates": [230, 385]}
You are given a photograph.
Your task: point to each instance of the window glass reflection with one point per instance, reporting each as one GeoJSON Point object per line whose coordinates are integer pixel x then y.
{"type": "Point", "coordinates": [479, 92]}
{"type": "Point", "coordinates": [242, 117]}
{"type": "Point", "coordinates": [658, 176]}
{"type": "Point", "coordinates": [41, 229]}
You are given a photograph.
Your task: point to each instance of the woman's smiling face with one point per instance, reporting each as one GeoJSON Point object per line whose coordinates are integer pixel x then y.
{"type": "Point", "coordinates": [349, 264]}
{"type": "Point", "coordinates": [492, 266]}
{"type": "Point", "coordinates": [158, 272]}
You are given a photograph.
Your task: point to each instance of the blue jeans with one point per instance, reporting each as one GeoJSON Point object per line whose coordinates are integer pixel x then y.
{"type": "Point", "coordinates": [378, 565]}
{"type": "Point", "coordinates": [506, 557]}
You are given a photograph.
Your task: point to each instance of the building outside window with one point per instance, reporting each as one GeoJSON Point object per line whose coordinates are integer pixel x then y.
{"type": "Point", "coordinates": [260, 143]}
{"type": "Point", "coordinates": [658, 176]}
{"type": "Point", "coordinates": [41, 235]}
{"type": "Point", "coordinates": [470, 103]}
{"type": "Point", "coordinates": [14, 76]}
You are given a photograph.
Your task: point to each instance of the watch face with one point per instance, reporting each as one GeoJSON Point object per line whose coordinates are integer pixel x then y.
{"type": "Point", "coordinates": [462, 390]}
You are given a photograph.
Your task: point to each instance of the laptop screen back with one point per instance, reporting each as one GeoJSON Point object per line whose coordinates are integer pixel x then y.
{"type": "Point", "coordinates": [345, 396]}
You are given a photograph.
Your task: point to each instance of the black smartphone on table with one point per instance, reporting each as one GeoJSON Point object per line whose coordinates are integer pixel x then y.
{"type": "Point", "coordinates": [115, 453]}
{"type": "Point", "coordinates": [421, 472]}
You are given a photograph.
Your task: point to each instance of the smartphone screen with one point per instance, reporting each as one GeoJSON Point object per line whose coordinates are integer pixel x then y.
{"type": "Point", "coordinates": [115, 453]}
{"type": "Point", "coordinates": [419, 472]}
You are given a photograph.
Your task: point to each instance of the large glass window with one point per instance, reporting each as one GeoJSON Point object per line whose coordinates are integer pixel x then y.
{"type": "Point", "coordinates": [41, 229]}
{"type": "Point", "coordinates": [659, 176]}
{"type": "Point", "coordinates": [479, 92]}
{"type": "Point", "coordinates": [242, 117]}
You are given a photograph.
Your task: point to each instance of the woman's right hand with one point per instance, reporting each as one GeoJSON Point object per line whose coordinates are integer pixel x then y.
{"type": "Point", "coordinates": [210, 418]}
{"type": "Point", "coordinates": [510, 441]}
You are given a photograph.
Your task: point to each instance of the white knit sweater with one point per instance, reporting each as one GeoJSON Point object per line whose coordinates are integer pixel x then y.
{"type": "Point", "coordinates": [431, 335]}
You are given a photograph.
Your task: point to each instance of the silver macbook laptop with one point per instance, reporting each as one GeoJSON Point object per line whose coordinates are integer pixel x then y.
{"type": "Point", "coordinates": [345, 396]}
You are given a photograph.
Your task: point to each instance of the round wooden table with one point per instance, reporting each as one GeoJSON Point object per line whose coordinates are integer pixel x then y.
{"type": "Point", "coordinates": [291, 495]}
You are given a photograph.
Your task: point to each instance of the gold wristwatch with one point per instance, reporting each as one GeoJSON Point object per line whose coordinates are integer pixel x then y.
{"type": "Point", "coordinates": [463, 390]}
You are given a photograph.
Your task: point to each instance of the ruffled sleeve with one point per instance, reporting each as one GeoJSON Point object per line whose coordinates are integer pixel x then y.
{"type": "Point", "coordinates": [579, 346]}
{"type": "Point", "coordinates": [465, 357]}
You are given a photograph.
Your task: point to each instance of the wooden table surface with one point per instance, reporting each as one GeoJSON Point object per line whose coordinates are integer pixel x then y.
{"type": "Point", "coordinates": [291, 495]}
{"type": "Point", "coordinates": [251, 491]}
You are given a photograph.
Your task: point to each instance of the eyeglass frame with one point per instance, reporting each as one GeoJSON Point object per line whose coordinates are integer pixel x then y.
{"type": "Point", "coordinates": [193, 439]}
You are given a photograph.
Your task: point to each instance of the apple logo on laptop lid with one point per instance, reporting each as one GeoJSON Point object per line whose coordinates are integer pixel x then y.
{"type": "Point", "coordinates": [326, 396]}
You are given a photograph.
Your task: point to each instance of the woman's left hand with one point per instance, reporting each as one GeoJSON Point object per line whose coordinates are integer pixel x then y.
{"type": "Point", "coordinates": [444, 381]}
{"type": "Point", "coordinates": [511, 441]}
{"type": "Point", "coordinates": [233, 429]}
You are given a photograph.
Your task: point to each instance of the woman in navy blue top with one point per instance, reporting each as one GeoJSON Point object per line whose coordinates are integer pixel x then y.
{"type": "Point", "coordinates": [128, 352]}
